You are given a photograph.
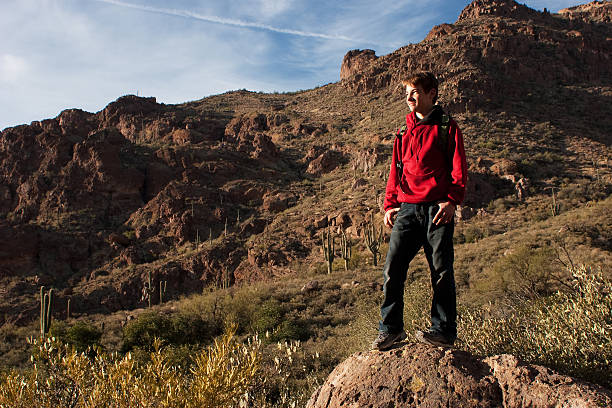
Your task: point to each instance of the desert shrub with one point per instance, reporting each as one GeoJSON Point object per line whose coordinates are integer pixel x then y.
{"type": "Point", "coordinates": [222, 307]}
{"type": "Point", "coordinates": [568, 331]}
{"type": "Point", "coordinates": [81, 335]}
{"type": "Point", "coordinates": [290, 329]}
{"type": "Point", "coordinates": [585, 191]}
{"type": "Point", "coordinates": [525, 273]}
{"type": "Point", "coordinates": [222, 376]}
{"type": "Point", "coordinates": [500, 205]}
{"type": "Point", "coordinates": [177, 329]}
{"type": "Point", "coordinates": [473, 233]}
{"type": "Point", "coordinates": [268, 316]}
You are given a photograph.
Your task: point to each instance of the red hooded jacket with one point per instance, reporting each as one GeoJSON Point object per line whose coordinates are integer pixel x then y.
{"type": "Point", "coordinates": [430, 173]}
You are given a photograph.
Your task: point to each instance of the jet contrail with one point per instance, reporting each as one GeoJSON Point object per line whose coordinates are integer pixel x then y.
{"type": "Point", "coordinates": [228, 21]}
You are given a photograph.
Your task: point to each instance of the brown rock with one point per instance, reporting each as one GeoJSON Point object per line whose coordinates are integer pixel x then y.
{"type": "Point", "coordinates": [321, 222]}
{"type": "Point", "coordinates": [325, 163]}
{"type": "Point", "coordinates": [311, 286]}
{"type": "Point", "coordinates": [503, 167]}
{"type": "Point", "coordinates": [120, 239]}
{"type": "Point", "coordinates": [278, 202]}
{"type": "Point", "coordinates": [355, 62]}
{"type": "Point", "coordinates": [418, 375]}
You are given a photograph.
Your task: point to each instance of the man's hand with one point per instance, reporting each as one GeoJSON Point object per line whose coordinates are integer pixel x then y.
{"type": "Point", "coordinates": [390, 217]}
{"type": "Point", "coordinates": [445, 213]}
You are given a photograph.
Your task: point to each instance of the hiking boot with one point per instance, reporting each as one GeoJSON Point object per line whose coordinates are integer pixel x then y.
{"type": "Point", "coordinates": [433, 338]}
{"type": "Point", "coordinates": [386, 340]}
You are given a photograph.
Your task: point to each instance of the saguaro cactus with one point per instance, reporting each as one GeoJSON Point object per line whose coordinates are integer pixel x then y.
{"type": "Point", "coordinates": [45, 310]}
{"type": "Point", "coordinates": [329, 248]}
{"type": "Point", "coordinates": [373, 240]}
{"type": "Point", "coordinates": [147, 290]}
{"type": "Point", "coordinates": [555, 208]}
{"type": "Point", "coordinates": [345, 248]}
{"type": "Point", "coordinates": [162, 290]}
{"type": "Point", "coordinates": [226, 279]}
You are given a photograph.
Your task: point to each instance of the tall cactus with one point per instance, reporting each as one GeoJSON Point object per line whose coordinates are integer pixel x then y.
{"type": "Point", "coordinates": [345, 247]}
{"type": "Point", "coordinates": [329, 249]}
{"type": "Point", "coordinates": [147, 290]}
{"type": "Point", "coordinates": [45, 310]}
{"type": "Point", "coordinates": [555, 208]}
{"type": "Point", "coordinates": [162, 290]}
{"type": "Point", "coordinates": [225, 284]}
{"type": "Point", "coordinates": [373, 240]}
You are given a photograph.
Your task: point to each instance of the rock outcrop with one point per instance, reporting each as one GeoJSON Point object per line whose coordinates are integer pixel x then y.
{"type": "Point", "coordinates": [573, 46]}
{"type": "Point", "coordinates": [418, 375]}
{"type": "Point", "coordinates": [595, 11]}
{"type": "Point", "coordinates": [355, 61]}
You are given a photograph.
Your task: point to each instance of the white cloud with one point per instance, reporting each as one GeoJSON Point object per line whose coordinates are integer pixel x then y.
{"type": "Point", "coordinates": [230, 21]}
{"type": "Point", "coordinates": [12, 68]}
{"type": "Point", "coordinates": [272, 8]}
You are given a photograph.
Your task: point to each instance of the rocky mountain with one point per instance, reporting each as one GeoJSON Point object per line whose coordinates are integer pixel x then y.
{"type": "Point", "coordinates": [237, 187]}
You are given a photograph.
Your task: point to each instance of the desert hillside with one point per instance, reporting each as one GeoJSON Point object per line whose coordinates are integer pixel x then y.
{"type": "Point", "coordinates": [234, 190]}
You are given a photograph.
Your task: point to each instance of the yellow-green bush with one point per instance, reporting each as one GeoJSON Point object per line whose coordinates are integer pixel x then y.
{"type": "Point", "coordinates": [61, 377]}
{"type": "Point", "coordinates": [569, 331]}
{"type": "Point", "coordinates": [526, 273]}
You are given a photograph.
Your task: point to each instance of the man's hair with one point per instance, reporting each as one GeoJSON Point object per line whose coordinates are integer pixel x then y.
{"type": "Point", "coordinates": [425, 80]}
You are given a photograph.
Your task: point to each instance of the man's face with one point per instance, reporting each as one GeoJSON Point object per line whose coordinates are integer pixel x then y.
{"type": "Point", "coordinates": [418, 100]}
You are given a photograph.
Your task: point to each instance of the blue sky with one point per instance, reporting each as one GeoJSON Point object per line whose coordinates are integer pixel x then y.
{"type": "Point", "coordinates": [60, 54]}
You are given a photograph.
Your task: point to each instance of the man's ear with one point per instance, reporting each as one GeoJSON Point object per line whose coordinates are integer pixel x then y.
{"type": "Point", "coordinates": [434, 94]}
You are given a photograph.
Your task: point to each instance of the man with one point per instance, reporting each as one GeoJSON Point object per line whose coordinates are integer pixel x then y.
{"type": "Point", "coordinates": [426, 183]}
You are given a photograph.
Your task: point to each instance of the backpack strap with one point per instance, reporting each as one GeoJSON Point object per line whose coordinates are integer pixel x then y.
{"type": "Point", "coordinates": [443, 132]}
{"type": "Point", "coordinates": [399, 164]}
{"type": "Point", "coordinates": [443, 135]}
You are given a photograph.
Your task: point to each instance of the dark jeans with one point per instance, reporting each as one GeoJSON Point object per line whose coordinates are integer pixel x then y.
{"type": "Point", "coordinates": [413, 229]}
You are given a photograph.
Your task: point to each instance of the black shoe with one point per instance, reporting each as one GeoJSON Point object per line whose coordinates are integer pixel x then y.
{"type": "Point", "coordinates": [386, 340]}
{"type": "Point", "coordinates": [433, 338]}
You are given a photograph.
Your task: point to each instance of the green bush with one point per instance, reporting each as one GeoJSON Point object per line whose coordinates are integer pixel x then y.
{"type": "Point", "coordinates": [473, 233]}
{"type": "Point", "coordinates": [81, 335]}
{"type": "Point", "coordinates": [175, 330]}
{"type": "Point", "coordinates": [570, 332]}
{"type": "Point", "coordinates": [290, 330]}
{"type": "Point", "coordinates": [268, 317]}
{"type": "Point", "coordinates": [525, 273]}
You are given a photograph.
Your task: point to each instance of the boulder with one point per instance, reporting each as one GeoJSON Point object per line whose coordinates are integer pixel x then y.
{"type": "Point", "coordinates": [419, 375]}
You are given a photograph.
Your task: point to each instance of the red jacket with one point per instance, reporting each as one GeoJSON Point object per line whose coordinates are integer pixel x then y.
{"type": "Point", "coordinates": [430, 174]}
